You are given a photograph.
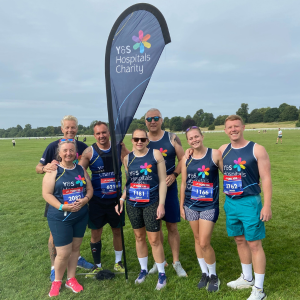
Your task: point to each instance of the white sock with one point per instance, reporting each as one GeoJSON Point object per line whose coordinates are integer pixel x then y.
{"type": "Point", "coordinates": [160, 267]}
{"type": "Point", "coordinates": [259, 280]}
{"type": "Point", "coordinates": [52, 268]}
{"type": "Point", "coordinates": [203, 265]}
{"type": "Point", "coordinates": [144, 263]}
{"type": "Point", "coordinates": [247, 271]}
{"type": "Point", "coordinates": [212, 269]}
{"type": "Point", "coordinates": [79, 257]}
{"type": "Point", "coordinates": [99, 265]}
{"type": "Point", "coordinates": [118, 255]}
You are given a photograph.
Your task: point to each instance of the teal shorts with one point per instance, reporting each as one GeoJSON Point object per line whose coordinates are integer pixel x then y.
{"type": "Point", "coordinates": [243, 217]}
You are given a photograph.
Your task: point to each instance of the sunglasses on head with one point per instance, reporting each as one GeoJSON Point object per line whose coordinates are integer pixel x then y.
{"type": "Point", "coordinates": [152, 118]}
{"type": "Point", "coordinates": [192, 127]}
{"type": "Point", "coordinates": [143, 140]}
{"type": "Point", "coordinates": [64, 140]}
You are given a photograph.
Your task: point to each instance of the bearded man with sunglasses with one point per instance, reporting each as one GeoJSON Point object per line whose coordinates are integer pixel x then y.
{"type": "Point", "coordinates": [48, 163]}
{"type": "Point", "coordinates": [170, 146]}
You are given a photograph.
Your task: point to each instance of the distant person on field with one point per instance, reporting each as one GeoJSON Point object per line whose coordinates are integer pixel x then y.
{"type": "Point", "coordinates": [48, 163]}
{"type": "Point", "coordinates": [14, 143]}
{"type": "Point", "coordinates": [279, 136]}
{"type": "Point", "coordinates": [244, 164]}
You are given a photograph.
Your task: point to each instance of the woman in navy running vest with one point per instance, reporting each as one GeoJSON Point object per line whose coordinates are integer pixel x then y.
{"type": "Point", "coordinates": [145, 196]}
{"type": "Point", "coordinates": [67, 190]}
{"type": "Point", "coordinates": [199, 202]}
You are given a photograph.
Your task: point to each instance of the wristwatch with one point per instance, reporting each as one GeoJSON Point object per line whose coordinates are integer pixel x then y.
{"type": "Point", "coordinates": [176, 174]}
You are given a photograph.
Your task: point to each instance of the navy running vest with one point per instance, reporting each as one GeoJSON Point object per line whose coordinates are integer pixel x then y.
{"type": "Point", "coordinates": [202, 183]}
{"type": "Point", "coordinates": [103, 176]}
{"type": "Point", "coordinates": [241, 176]}
{"type": "Point", "coordinates": [70, 185]}
{"type": "Point", "coordinates": [142, 183]}
{"type": "Point", "coordinates": [166, 148]}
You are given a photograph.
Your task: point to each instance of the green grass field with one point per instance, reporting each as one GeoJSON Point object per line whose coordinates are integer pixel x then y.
{"type": "Point", "coordinates": [25, 263]}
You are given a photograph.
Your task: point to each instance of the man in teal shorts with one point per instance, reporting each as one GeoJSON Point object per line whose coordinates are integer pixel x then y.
{"type": "Point", "coordinates": [244, 164]}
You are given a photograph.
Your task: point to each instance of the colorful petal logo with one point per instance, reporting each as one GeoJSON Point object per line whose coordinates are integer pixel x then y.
{"type": "Point", "coordinates": [141, 41]}
{"type": "Point", "coordinates": [146, 168]}
{"type": "Point", "coordinates": [239, 164]}
{"type": "Point", "coordinates": [77, 159]}
{"type": "Point", "coordinates": [80, 180]}
{"type": "Point", "coordinates": [203, 171]}
{"type": "Point", "coordinates": [163, 152]}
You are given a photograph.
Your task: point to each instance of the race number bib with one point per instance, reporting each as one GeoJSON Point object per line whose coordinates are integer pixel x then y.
{"type": "Point", "coordinates": [71, 195]}
{"type": "Point", "coordinates": [202, 191]}
{"type": "Point", "coordinates": [233, 185]}
{"type": "Point", "coordinates": [108, 186]}
{"type": "Point", "coordinates": [139, 192]}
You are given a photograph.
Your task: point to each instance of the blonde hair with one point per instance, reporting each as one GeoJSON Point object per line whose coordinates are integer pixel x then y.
{"type": "Point", "coordinates": [68, 118]}
{"type": "Point", "coordinates": [233, 118]}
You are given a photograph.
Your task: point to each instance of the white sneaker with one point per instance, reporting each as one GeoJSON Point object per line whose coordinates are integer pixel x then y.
{"type": "Point", "coordinates": [179, 269]}
{"type": "Point", "coordinates": [154, 269]}
{"type": "Point", "coordinates": [257, 294]}
{"type": "Point", "coordinates": [241, 283]}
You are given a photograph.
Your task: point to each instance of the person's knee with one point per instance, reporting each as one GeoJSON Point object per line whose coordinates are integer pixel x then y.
{"type": "Point", "coordinates": [96, 235]}
{"type": "Point", "coordinates": [116, 232]}
{"type": "Point", "coordinates": [204, 244]}
{"type": "Point", "coordinates": [154, 241]}
{"type": "Point", "coordinates": [140, 237]}
{"type": "Point", "coordinates": [240, 240]}
{"type": "Point", "coordinates": [255, 246]}
{"type": "Point", "coordinates": [172, 228]}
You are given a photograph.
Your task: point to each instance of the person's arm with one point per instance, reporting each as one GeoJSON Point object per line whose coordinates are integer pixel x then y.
{"type": "Point", "coordinates": [217, 158]}
{"type": "Point", "coordinates": [124, 151]}
{"type": "Point", "coordinates": [162, 188]}
{"type": "Point", "coordinates": [179, 153]}
{"type": "Point", "coordinates": [48, 168]}
{"type": "Point", "coordinates": [264, 168]}
{"type": "Point", "coordinates": [222, 148]}
{"type": "Point", "coordinates": [86, 157]}
{"type": "Point", "coordinates": [183, 187]}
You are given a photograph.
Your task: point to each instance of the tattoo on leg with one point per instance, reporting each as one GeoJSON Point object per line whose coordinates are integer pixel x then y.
{"type": "Point", "coordinates": [52, 251]}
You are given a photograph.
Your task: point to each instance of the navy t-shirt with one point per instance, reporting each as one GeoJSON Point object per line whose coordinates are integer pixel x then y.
{"type": "Point", "coordinates": [50, 152]}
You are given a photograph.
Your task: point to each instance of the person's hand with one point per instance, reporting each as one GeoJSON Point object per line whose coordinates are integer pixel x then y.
{"type": "Point", "coordinates": [70, 208]}
{"type": "Point", "coordinates": [188, 153]}
{"type": "Point", "coordinates": [121, 207]}
{"type": "Point", "coordinates": [170, 179]}
{"type": "Point", "coordinates": [160, 211]}
{"type": "Point", "coordinates": [266, 213]}
{"type": "Point", "coordinates": [78, 204]}
{"type": "Point", "coordinates": [182, 213]}
{"type": "Point", "coordinates": [51, 166]}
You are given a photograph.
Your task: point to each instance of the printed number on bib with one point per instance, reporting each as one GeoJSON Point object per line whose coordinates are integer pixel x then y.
{"type": "Point", "coordinates": [71, 195]}
{"type": "Point", "coordinates": [108, 186]}
{"type": "Point", "coordinates": [139, 192]}
{"type": "Point", "coordinates": [233, 185]}
{"type": "Point", "coordinates": [202, 191]}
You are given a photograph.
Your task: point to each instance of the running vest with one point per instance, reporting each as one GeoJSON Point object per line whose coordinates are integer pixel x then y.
{"type": "Point", "coordinates": [103, 176]}
{"type": "Point", "coordinates": [202, 183]}
{"type": "Point", "coordinates": [166, 148]}
{"type": "Point", "coordinates": [142, 183]}
{"type": "Point", "coordinates": [70, 185]}
{"type": "Point", "coordinates": [241, 176]}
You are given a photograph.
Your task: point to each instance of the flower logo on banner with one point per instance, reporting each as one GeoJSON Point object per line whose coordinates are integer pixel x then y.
{"type": "Point", "coordinates": [163, 152]}
{"type": "Point", "coordinates": [239, 164]}
{"type": "Point", "coordinates": [80, 180]}
{"type": "Point", "coordinates": [146, 168]}
{"type": "Point", "coordinates": [203, 171]}
{"type": "Point", "coordinates": [141, 41]}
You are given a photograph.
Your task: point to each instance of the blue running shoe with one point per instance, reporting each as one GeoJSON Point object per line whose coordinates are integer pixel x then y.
{"type": "Point", "coordinates": [52, 275]}
{"type": "Point", "coordinates": [142, 277]}
{"type": "Point", "coordinates": [162, 281]}
{"type": "Point", "coordinates": [82, 263]}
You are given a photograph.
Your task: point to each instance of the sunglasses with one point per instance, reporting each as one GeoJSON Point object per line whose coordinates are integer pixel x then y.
{"type": "Point", "coordinates": [192, 127]}
{"type": "Point", "coordinates": [65, 140]}
{"type": "Point", "coordinates": [152, 118]}
{"type": "Point", "coordinates": [143, 140]}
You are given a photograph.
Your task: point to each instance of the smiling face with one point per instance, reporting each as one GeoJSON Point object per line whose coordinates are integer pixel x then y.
{"type": "Point", "coordinates": [194, 138]}
{"type": "Point", "coordinates": [137, 143]}
{"type": "Point", "coordinates": [234, 129]}
{"type": "Point", "coordinates": [69, 129]}
{"type": "Point", "coordinates": [101, 134]}
{"type": "Point", "coordinates": [67, 152]}
{"type": "Point", "coordinates": [154, 126]}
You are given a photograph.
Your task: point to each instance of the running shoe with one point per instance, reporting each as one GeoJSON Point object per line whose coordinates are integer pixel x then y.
{"type": "Point", "coordinates": [204, 281]}
{"type": "Point", "coordinates": [73, 285]}
{"type": "Point", "coordinates": [213, 284]}
{"type": "Point", "coordinates": [55, 288]}
{"type": "Point", "coordinates": [241, 283]}
{"type": "Point", "coordinates": [179, 269]}
{"type": "Point", "coordinates": [119, 267]}
{"type": "Point", "coordinates": [82, 263]}
{"type": "Point", "coordinates": [162, 281]}
{"type": "Point", "coordinates": [52, 275]}
{"type": "Point", "coordinates": [257, 294]}
{"type": "Point", "coordinates": [142, 277]}
{"type": "Point", "coordinates": [94, 271]}
{"type": "Point", "coordinates": [154, 269]}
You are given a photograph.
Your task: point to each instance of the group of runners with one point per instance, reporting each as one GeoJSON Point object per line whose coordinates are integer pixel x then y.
{"type": "Point", "coordinates": [151, 195]}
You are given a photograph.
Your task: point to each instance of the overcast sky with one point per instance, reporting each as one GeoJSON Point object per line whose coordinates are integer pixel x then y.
{"type": "Point", "coordinates": [223, 53]}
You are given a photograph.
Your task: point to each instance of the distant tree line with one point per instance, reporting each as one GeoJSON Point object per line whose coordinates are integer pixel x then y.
{"type": "Point", "coordinates": [284, 112]}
